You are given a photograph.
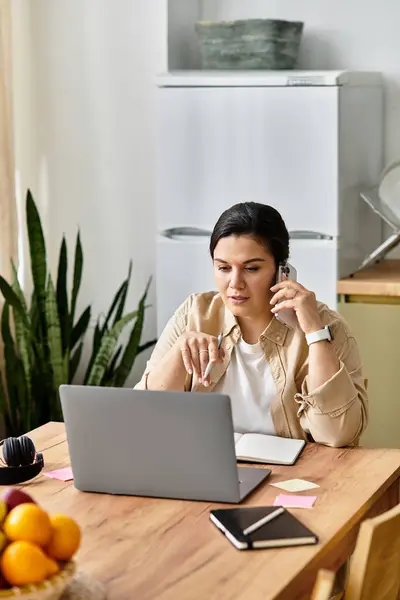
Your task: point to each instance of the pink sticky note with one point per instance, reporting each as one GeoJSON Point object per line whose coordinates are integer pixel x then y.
{"type": "Point", "coordinates": [61, 474]}
{"type": "Point", "coordinates": [295, 501]}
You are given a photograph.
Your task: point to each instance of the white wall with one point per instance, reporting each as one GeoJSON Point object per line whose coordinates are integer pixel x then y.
{"type": "Point", "coordinates": [84, 126]}
{"type": "Point", "coordinates": [183, 49]}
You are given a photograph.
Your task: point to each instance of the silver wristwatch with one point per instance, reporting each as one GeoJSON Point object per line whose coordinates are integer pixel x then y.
{"type": "Point", "coordinates": [318, 336]}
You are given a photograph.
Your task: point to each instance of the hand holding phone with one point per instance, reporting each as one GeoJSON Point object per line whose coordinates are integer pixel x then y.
{"type": "Point", "coordinates": [294, 304]}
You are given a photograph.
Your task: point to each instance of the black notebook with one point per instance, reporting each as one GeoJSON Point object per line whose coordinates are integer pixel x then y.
{"type": "Point", "coordinates": [283, 530]}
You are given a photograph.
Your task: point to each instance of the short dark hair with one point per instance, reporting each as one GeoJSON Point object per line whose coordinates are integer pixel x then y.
{"type": "Point", "coordinates": [260, 221]}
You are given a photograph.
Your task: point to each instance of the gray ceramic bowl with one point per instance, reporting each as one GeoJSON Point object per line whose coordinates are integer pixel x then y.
{"type": "Point", "coordinates": [249, 44]}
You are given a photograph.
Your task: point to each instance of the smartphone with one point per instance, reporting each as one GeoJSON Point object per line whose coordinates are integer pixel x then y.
{"type": "Point", "coordinates": [287, 272]}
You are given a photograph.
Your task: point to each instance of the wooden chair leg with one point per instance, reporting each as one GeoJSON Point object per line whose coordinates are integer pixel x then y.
{"type": "Point", "coordinates": [323, 587]}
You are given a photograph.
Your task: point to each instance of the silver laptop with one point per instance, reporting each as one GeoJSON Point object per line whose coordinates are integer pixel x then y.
{"type": "Point", "coordinates": [161, 444]}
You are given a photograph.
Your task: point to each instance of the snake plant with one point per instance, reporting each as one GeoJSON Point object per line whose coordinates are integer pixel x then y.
{"type": "Point", "coordinates": [43, 340]}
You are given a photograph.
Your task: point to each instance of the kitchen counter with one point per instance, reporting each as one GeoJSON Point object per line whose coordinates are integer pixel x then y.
{"type": "Point", "coordinates": [370, 304]}
{"type": "Point", "coordinates": [382, 279]}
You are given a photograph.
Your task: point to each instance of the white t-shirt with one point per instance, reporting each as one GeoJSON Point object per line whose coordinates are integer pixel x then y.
{"type": "Point", "coordinates": [249, 383]}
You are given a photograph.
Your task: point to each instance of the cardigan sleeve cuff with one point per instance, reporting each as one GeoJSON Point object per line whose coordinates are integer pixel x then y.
{"type": "Point", "coordinates": [332, 397]}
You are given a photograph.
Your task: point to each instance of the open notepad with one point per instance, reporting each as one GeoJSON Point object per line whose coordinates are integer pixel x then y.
{"type": "Point", "coordinates": [269, 449]}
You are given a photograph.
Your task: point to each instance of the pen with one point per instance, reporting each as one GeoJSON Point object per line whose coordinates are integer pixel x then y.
{"type": "Point", "coordinates": [210, 364]}
{"type": "Point", "coordinates": [262, 521]}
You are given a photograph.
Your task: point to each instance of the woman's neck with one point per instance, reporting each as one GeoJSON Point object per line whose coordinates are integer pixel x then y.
{"type": "Point", "coordinates": [252, 328]}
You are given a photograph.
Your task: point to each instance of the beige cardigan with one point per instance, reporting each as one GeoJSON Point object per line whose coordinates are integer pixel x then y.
{"type": "Point", "coordinates": [335, 414]}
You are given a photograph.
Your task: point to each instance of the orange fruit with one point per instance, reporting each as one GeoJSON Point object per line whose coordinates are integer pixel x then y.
{"type": "Point", "coordinates": [52, 567]}
{"type": "Point", "coordinates": [65, 539]}
{"type": "Point", "coordinates": [29, 523]}
{"type": "Point", "coordinates": [23, 562]}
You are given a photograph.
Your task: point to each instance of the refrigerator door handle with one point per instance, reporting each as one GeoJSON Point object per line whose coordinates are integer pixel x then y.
{"type": "Point", "coordinates": [176, 232]}
{"type": "Point", "coordinates": [297, 234]}
{"type": "Point", "coordinates": [303, 234]}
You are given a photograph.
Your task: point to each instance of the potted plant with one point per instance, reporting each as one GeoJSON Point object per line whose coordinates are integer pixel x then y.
{"type": "Point", "coordinates": [43, 339]}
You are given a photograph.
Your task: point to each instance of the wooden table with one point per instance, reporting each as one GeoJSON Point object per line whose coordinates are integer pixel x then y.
{"type": "Point", "coordinates": [148, 548]}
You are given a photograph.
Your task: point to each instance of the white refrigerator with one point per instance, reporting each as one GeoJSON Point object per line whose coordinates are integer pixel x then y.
{"type": "Point", "coordinates": [304, 142]}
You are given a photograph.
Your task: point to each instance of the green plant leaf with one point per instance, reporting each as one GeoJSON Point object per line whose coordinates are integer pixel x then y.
{"type": "Point", "coordinates": [25, 412]}
{"type": "Point", "coordinates": [74, 362]}
{"type": "Point", "coordinates": [107, 347]}
{"type": "Point", "coordinates": [125, 285]}
{"type": "Point", "coordinates": [34, 319]}
{"type": "Point", "coordinates": [40, 361]}
{"type": "Point", "coordinates": [23, 339]}
{"type": "Point", "coordinates": [131, 349]}
{"type": "Point", "coordinates": [116, 300]}
{"type": "Point", "coordinates": [11, 367]}
{"type": "Point", "coordinates": [62, 295]}
{"type": "Point", "coordinates": [37, 249]}
{"type": "Point", "coordinates": [108, 379]}
{"type": "Point", "coordinates": [3, 398]}
{"type": "Point", "coordinates": [17, 287]}
{"type": "Point", "coordinates": [114, 305]}
{"type": "Point", "coordinates": [80, 328]}
{"type": "Point", "coordinates": [77, 278]}
{"type": "Point", "coordinates": [12, 299]}
{"type": "Point", "coordinates": [55, 344]}
{"type": "Point", "coordinates": [97, 337]}
{"type": "Point", "coordinates": [117, 306]}
{"type": "Point", "coordinates": [146, 345]}
{"type": "Point", "coordinates": [43, 393]}
{"type": "Point", "coordinates": [5, 409]}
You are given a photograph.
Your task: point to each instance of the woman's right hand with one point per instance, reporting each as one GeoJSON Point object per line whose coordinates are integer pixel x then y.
{"type": "Point", "coordinates": [198, 349]}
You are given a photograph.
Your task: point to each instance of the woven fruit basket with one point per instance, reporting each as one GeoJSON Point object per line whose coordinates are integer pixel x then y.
{"type": "Point", "coordinates": [50, 589]}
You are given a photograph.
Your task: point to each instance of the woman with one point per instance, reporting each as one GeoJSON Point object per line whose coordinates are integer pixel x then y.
{"type": "Point", "coordinates": [287, 380]}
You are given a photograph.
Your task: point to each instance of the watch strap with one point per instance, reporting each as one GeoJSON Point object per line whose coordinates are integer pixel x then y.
{"type": "Point", "coordinates": [319, 336]}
